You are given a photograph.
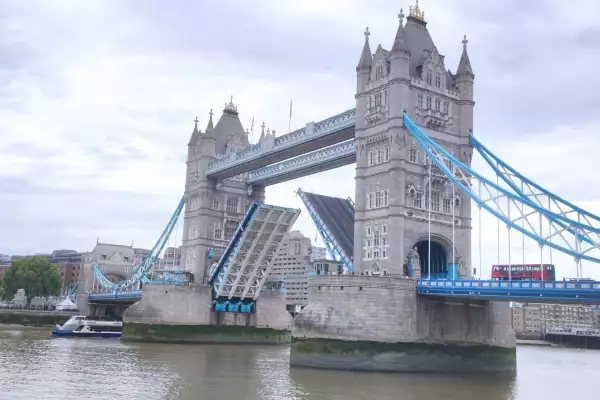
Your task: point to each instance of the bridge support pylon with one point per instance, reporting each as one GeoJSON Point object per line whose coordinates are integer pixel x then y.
{"type": "Point", "coordinates": [184, 314]}
{"type": "Point", "coordinates": [380, 324]}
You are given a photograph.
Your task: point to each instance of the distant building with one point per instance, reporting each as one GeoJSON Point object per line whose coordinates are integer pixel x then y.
{"type": "Point", "coordinates": [527, 321]}
{"type": "Point", "coordinates": [532, 320]}
{"type": "Point", "coordinates": [291, 265]}
{"type": "Point", "coordinates": [327, 267]}
{"type": "Point", "coordinates": [317, 253]}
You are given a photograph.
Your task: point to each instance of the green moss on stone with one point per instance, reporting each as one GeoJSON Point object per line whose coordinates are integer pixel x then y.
{"type": "Point", "coordinates": [343, 347]}
{"type": "Point", "coordinates": [33, 317]}
{"type": "Point", "coordinates": [203, 334]}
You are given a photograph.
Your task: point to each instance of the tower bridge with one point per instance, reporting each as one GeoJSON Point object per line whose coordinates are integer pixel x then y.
{"type": "Point", "coordinates": [407, 293]}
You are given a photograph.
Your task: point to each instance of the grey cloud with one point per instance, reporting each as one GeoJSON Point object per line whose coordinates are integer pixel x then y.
{"type": "Point", "coordinates": [531, 75]}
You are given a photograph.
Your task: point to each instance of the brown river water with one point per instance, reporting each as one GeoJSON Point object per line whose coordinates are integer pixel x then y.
{"type": "Point", "coordinates": [35, 366]}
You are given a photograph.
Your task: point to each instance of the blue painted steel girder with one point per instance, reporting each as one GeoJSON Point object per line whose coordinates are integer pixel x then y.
{"type": "Point", "coordinates": [443, 159]}
{"type": "Point", "coordinates": [148, 261]}
{"type": "Point", "coordinates": [534, 291]}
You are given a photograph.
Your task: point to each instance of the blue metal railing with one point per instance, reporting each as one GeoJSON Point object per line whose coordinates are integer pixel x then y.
{"type": "Point", "coordinates": [574, 291]}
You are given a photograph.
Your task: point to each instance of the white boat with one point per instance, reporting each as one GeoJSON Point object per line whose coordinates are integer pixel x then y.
{"type": "Point", "coordinates": [80, 326]}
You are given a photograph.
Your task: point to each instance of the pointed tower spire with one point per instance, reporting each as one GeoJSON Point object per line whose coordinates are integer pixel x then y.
{"type": "Point", "coordinates": [366, 58]}
{"type": "Point", "coordinates": [262, 133]}
{"type": "Point", "coordinates": [209, 126]}
{"type": "Point", "coordinates": [464, 65]}
{"type": "Point", "coordinates": [210, 122]}
{"type": "Point", "coordinates": [399, 43]}
{"type": "Point", "coordinates": [195, 134]}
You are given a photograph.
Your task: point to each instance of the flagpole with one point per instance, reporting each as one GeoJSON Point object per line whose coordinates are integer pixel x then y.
{"type": "Point", "coordinates": [290, 120]}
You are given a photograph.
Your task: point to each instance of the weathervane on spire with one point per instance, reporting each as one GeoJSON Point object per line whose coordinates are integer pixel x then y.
{"type": "Point", "coordinates": [367, 33]}
{"type": "Point", "coordinates": [230, 106]}
{"type": "Point", "coordinates": [416, 12]}
{"type": "Point", "coordinates": [464, 42]}
{"type": "Point", "coordinates": [196, 123]}
{"type": "Point", "coordinates": [401, 16]}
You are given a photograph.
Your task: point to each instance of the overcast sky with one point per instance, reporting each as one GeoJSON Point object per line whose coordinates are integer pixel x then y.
{"type": "Point", "coordinates": [97, 100]}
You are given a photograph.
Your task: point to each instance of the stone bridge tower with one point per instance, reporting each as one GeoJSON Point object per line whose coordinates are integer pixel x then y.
{"type": "Point", "coordinates": [213, 209]}
{"type": "Point", "coordinates": [393, 182]}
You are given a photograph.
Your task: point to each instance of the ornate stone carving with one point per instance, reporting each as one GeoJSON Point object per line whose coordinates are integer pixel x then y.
{"type": "Point", "coordinates": [414, 259]}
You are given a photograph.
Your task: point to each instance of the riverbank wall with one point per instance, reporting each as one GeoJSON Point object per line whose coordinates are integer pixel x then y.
{"type": "Point", "coordinates": [33, 317]}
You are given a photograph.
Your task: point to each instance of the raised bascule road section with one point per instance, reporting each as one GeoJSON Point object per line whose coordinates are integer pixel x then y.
{"type": "Point", "coordinates": [406, 300]}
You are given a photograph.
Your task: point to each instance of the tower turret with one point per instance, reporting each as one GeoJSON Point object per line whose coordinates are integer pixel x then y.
{"type": "Point", "coordinates": [363, 69]}
{"type": "Point", "coordinates": [400, 55]}
{"type": "Point", "coordinates": [464, 84]}
{"type": "Point", "coordinates": [208, 140]}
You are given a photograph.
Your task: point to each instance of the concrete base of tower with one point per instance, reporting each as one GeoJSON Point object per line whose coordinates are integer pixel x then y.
{"type": "Point", "coordinates": [380, 324]}
{"type": "Point", "coordinates": [182, 314]}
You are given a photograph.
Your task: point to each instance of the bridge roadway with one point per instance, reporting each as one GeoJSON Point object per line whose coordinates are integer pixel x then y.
{"type": "Point", "coordinates": [580, 292]}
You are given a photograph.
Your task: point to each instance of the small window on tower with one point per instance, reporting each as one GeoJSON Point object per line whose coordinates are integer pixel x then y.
{"type": "Point", "coordinates": [428, 102]}
{"type": "Point", "coordinates": [438, 80]}
{"type": "Point", "coordinates": [377, 99]}
{"type": "Point", "coordinates": [379, 71]}
{"type": "Point", "coordinates": [437, 104]}
{"type": "Point", "coordinates": [428, 77]}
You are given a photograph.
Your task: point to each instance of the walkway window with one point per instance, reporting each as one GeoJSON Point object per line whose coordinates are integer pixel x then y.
{"type": "Point", "coordinates": [418, 201]}
{"type": "Point", "coordinates": [379, 71]}
{"type": "Point", "coordinates": [217, 232]}
{"type": "Point", "coordinates": [412, 154]}
{"type": "Point", "coordinates": [377, 99]}
{"type": "Point", "coordinates": [446, 205]}
{"type": "Point", "coordinates": [371, 158]}
{"type": "Point", "coordinates": [232, 205]}
{"type": "Point", "coordinates": [376, 247]}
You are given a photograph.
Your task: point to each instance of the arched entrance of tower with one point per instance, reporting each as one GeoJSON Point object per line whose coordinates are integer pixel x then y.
{"type": "Point", "coordinates": [442, 266]}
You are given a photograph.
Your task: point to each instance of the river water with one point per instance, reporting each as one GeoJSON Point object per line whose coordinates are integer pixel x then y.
{"type": "Point", "coordinates": [35, 366]}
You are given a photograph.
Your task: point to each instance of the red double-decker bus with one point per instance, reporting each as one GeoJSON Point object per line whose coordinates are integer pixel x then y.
{"type": "Point", "coordinates": [523, 272]}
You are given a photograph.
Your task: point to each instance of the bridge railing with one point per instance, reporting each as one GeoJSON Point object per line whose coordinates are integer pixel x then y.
{"type": "Point", "coordinates": [129, 294]}
{"type": "Point", "coordinates": [311, 131]}
{"type": "Point", "coordinates": [479, 284]}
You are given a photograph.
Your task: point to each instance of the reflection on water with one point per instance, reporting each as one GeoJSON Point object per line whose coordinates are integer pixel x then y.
{"type": "Point", "coordinates": [35, 366]}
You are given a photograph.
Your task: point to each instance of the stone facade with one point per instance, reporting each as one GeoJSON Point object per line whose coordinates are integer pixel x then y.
{"type": "Point", "coordinates": [213, 210]}
{"type": "Point", "coordinates": [392, 173]}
